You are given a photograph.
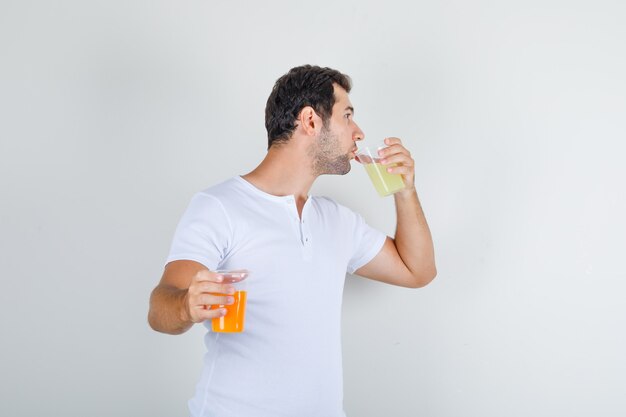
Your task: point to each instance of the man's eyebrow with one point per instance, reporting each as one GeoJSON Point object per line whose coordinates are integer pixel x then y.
{"type": "Point", "coordinates": [350, 108]}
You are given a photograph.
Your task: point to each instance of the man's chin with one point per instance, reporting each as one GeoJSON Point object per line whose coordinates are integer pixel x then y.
{"type": "Point", "coordinates": [342, 171]}
{"type": "Point", "coordinates": [344, 168]}
{"type": "Point", "coordinates": [340, 166]}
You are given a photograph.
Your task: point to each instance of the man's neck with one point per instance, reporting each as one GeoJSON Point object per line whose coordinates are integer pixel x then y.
{"type": "Point", "coordinates": [285, 170]}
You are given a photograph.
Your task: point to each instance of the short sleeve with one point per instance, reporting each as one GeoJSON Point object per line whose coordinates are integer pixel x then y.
{"type": "Point", "coordinates": [203, 233]}
{"type": "Point", "coordinates": [367, 243]}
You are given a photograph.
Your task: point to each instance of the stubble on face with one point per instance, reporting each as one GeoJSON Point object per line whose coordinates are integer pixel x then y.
{"type": "Point", "coordinates": [327, 156]}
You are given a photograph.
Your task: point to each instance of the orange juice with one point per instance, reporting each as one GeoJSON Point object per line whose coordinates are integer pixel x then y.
{"type": "Point", "coordinates": [233, 321]}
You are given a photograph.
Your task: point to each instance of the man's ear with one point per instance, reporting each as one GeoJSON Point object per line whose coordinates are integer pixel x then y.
{"type": "Point", "coordinates": [309, 121]}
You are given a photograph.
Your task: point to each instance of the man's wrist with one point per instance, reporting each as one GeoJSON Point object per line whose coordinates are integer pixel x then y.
{"type": "Point", "coordinates": [406, 192]}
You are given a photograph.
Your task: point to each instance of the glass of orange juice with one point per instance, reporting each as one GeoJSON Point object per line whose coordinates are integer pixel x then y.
{"type": "Point", "coordinates": [233, 321]}
{"type": "Point", "coordinates": [384, 182]}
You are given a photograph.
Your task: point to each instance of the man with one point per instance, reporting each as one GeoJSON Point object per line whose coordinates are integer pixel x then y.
{"type": "Point", "coordinates": [297, 247]}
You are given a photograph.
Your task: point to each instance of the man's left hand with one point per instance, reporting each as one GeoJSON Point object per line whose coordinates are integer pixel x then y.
{"type": "Point", "coordinates": [396, 154]}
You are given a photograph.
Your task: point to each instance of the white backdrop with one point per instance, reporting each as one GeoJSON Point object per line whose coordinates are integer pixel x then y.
{"type": "Point", "coordinates": [112, 114]}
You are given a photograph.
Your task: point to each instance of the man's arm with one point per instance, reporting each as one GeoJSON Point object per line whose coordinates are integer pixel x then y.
{"type": "Point", "coordinates": [408, 260]}
{"type": "Point", "coordinates": [184, 297]}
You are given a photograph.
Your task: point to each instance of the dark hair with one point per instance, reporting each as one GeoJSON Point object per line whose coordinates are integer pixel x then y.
{"type": "Point", "coordinates": [302, 86]}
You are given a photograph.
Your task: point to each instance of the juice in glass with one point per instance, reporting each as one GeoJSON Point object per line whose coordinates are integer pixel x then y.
{"type": "Point", "coordinates": [384, 182]}
{"type": "Point", "coordinates": [235, 316]}
{"type": "Point", "coordinates": [233, 321]}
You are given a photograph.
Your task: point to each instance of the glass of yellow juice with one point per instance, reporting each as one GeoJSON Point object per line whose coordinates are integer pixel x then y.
{"type": "Point", "coordinates": [233, 321]}
{"type": "Point", "coordinates": [384, 182]}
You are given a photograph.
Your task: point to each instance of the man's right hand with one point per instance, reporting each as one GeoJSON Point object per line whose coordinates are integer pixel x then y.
{"type": "Point", "coordinates": [207, 289]}
{"type": "Point", "coordinates": [185, 295]}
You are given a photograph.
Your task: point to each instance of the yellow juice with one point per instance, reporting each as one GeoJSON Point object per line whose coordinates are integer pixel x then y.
{"type": "Point", "coordinates": [384, 182]}
{"type": "Point", "coordinates": [235, 316]}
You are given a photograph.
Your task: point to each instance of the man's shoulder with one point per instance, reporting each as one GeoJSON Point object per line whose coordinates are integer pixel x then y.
{"type": "Point", "coordinates": [216, 197]}
{"type": "Point", "coordinates": [223, 191]}
{"type": "Point", "coordinates": [225, 186]}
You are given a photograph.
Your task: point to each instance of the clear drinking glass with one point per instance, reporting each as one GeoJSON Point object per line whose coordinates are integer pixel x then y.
{"type": "Point", "coordinates": [233, 321]}
{"type": "Point", "coordinates": [384, 182]}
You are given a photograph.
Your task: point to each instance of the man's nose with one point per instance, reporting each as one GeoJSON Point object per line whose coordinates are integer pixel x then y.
{"type": "Point", "coordinates": [358, 134]}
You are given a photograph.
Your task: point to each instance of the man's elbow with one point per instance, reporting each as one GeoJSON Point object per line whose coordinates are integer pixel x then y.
{"type": "Point", "coordinates": [153, 322]}
{"type": "Point", "coordinates": [157, 326]}
{"type": "Point", "coordinates": [424, 277]}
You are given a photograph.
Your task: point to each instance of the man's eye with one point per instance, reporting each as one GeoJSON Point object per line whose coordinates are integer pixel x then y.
{"type": "Point", "coordinates": [347, 116]}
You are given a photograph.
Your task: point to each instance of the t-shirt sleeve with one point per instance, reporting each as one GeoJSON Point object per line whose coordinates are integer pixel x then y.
{"type": "Point", "coordinates": [367, 243]}
{"type": "Point", "coordinates": [203, 233]}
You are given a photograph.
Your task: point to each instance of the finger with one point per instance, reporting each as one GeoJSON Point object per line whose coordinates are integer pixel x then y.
{"type": "Point", "coordinates": [399, 158]}
{"type": "Point", "coordinates": [211, 287]}
{"type": "Point", "coordinates": [206, 275]}
{"type": "Point", "coordinates": [199, 306]}
{"type": "Point", "coordinates": [213, 300]}
{"type": "Point", "coordinates": [200, 314]}
{"type": "Point", "coordinates": [400, 169]}
{"type": "Point", "coordinates": [392, 150]}
{"type": "Point", "coordinates": [392, 141]}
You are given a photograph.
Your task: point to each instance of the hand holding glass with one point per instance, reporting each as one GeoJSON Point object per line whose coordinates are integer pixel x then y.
{"type": "Point", "coordinates": [384, 182]}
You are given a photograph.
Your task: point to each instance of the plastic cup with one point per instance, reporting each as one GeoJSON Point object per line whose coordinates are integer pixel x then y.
{"type": "Point", "coordinates": [384, 182]}
{"type": "Point", "coordinates": [233, 321]}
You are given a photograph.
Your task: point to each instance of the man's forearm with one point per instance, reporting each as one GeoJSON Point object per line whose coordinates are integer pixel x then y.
{"type": "Point", "coordinates": [167, 310]}
{"type": "Point", "coordinates": [413, 239]}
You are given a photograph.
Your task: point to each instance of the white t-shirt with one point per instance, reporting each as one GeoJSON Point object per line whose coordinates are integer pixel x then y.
{"type": "Point", "coordinates": [287, 361]}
